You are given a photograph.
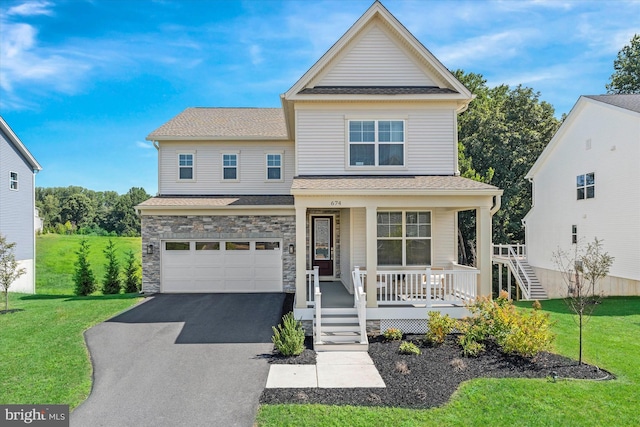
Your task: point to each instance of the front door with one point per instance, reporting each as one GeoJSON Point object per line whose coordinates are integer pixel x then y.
{"type": "Point", "coordinates": [322, 244]}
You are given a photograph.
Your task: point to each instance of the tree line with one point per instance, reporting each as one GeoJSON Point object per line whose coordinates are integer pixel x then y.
{"type": "Point", "coordinates": [73, 209]}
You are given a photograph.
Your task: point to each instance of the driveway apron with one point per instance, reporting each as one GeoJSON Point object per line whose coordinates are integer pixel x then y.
{"type": "Point", "coordinates": [181, 360]}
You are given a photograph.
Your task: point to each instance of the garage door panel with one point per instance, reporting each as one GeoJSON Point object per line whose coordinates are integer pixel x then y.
{"type": "Point", "coordinates": [234, 266]}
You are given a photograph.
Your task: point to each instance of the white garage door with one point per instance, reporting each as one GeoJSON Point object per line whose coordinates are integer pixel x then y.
{"type": "Point", "coordinates": [222, 266]}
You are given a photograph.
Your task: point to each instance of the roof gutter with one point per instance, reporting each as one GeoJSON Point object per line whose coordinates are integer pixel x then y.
{"type": "Point", "coordinates": [497, 202]}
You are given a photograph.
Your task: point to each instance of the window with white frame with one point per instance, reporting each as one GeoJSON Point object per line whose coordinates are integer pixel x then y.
{"type": "Point", "coordinates": [586, 186]}
{"type": "Point", "coordinates": [574, 234]}
{"type": "Point", "coordinates": [404, 238]}
{"type": "Point", "coordinates": [13, 180]}
{"type": "Point", "coordinates": [274, 167]}
{"type": "Point", "coordinates": [185, 166]}
{"type": "Point", "coordinates": [230, 167]}
{"type": "Point", "coordinates": [376, 142]}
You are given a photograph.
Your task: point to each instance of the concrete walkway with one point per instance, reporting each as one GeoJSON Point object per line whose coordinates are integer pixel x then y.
{"type": "Point", "coordinates": [333, 369]}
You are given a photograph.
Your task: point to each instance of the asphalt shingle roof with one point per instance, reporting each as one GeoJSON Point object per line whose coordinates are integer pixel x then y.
{"type": "Point", "coordinates": [430, 182]}
{"type": "Point", "coordinates": [628, 102]}
{"type": "Point", "coordinates": [217, 201]}
{"type": "Point", "coordinates": [224, 122]}
{"type": "Point", "coordinates": [375, 90]}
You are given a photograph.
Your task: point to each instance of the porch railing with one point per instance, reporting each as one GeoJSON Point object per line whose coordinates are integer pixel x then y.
{"type": "Point", "coordinates": [313, 282]}
{"type": "Point", "coordinates": [455, 286]}
{"type": "Point", "coordinates": [517, 250]}
{"type": "Point", "coordinates": [360, 302]}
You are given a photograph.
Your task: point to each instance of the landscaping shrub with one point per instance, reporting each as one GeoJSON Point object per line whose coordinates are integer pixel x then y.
{"type": "Point", "coordinates": [83, 278]}
{"type": "Point", "coordinates": [288, 337]}
{"type": "Point", "coordinates": [131, 274]}
{"type": "Point", "coordinates": [473, 333]}
{"type": "Point", "coordinates": [111, 284]}
{"type": "Point", "coordinates": [393, 334]}
{"type": "Point", "coordinates": [439, 326]}
{"type": "Point", "coordinates": [407, 347]}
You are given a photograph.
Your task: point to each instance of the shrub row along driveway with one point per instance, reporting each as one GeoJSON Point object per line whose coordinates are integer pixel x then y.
{"type": "Point", "coordinates": [181, 360]}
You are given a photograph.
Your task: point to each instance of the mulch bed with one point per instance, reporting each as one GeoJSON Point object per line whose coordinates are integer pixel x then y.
{"type": "Point", "coordinates": [429, 379]}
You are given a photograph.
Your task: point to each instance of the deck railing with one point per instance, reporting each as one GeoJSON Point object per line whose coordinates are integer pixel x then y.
{"type": "Point", "coordinates": [455, 286]}
{"type": "Point", "coordinates": [313, 282]}
{"type": "Point", "coordinates": [515, 254]}
{"type": "Point", "coordinates": [517, 250]}
{"type": "Point", "coordinates": [360, 302]}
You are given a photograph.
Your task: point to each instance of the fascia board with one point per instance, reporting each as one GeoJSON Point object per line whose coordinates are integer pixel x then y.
{"type": "Point", "coordinates": [22, 149]}
{"type": "Point", "coordinates": [215, 210]}
{"type": "Point", "coordinates": [215, 138]}
{"type": "Point", "coordinates": [394, 192]}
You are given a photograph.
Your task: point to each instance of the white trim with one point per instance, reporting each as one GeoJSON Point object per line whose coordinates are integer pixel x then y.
{"type": "Point", "coordinates": [376, 144]}
{"type": "Point", "coordinates": [237, 166]}
{"type": "Point", "coordinates": [13, 181]}
{"type": "Point", "coordinates": [266, 165]}
{"type": "Point", "coordinates": [191, 153]}
{"type": "Point", "coordinates": [403, 239]}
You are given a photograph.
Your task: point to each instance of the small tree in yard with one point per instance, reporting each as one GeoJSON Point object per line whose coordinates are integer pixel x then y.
{"type": "Point", "coordinates": [83, 278]}
{"type": "Point", "coordinates": [581, 272]}
{"type": "Point", "coordinates": [131, 275]}
{"type": "Point", "coordinates": [112, 283]}
{"type": "Point", "coordinates": [9, 270]}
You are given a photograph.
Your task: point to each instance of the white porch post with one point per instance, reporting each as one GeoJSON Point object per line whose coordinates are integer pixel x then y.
{"type": "Point", "coordinates": [301, 257]}
{"type": "Point", "coordinates": [483, 249]}
{"type": "Point", "coordinates": [372, 256]}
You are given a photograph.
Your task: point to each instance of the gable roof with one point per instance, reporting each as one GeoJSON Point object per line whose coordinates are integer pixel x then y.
{"type": "Point", "coordinates": [378, 13]}
{"type": "Point", "coordinates": [13, 139]}
{"type": "Point", "coordinates": [223, 123]}
{"type": "Point", "coordinates": [627, 101]}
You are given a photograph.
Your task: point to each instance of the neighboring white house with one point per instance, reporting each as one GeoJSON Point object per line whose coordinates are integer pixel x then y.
{"type": "Point", "coordinates": [358, 168]}
{"type": "Point", "coordinates": [18, 169]}
{"type": "Point", "coordinates": [585, 185]}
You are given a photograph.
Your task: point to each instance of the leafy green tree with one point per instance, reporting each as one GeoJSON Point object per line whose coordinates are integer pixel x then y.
{"type": "Point", "coordinates": [131, 273]}
{"type": "Point", "coordinates": [626, 76]}
{"type": "Point", "coordinates": [9, 270]}
{"type": "Point", "coordinates": [501, 135]}
{"type": "Point", "coordinates": [123, 214]}
{"type": "Point", "coordinates": [83, 278]}
{"type": "Point", "coordinates": [49, 210]}
{"type": "Point", "coordinates": [78, 209]}
{"type": "Point", "coordinates": [111, 283]}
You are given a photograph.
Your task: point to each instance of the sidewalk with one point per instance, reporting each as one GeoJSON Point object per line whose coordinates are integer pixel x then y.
{"type": "Point", "coordinates": [333, 369]}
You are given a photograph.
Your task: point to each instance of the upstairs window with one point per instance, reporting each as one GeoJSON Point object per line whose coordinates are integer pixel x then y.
{"type": "Point", "coordinates": [230, 167]}
{"type": "Point", "coordinates": [185, 166]}
{"type": "Point", "coordinates": [376, 143]}
{"type": "Point", "coordinates": [586, 186]}
{"type": "Point", "coordinates": [13, 180]}
{"type": "Point", "coordinates": [274, 167]}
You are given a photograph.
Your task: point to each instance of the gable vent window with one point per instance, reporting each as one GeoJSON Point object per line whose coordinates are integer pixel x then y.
{"type": "Point", "coordinates": [376, 143]}
{"type": "Point", "coordinates": [586, 186]}
{"type": "Point", "coordinates": [574, 234]}
{"type": "Point", "coordinates": [185, 164]}
{"type": "Point", "coordinates": [13, 180]}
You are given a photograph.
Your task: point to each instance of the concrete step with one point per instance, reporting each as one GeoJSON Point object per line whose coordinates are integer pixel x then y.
{"type": "Point", "coordinates": [342, 339]}
{"type": "Point", "coordinates": [333, 346]}
{"type": "Point", "coordinates": [340, 328]}
{"type": "Point", "coordinates": [330, 320]}
{"type": "Point", "coordinates": [339, 311]}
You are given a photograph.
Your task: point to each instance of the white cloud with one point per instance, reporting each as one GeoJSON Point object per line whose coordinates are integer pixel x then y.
{"type": "Point", "coordinates": [256, 54]}
{"type": "Point", "coordinates": [500, 45]}
{"type": "Point", "coordinates": [144, 144]}
{"type": "Point", "coordinates": [31, 8]}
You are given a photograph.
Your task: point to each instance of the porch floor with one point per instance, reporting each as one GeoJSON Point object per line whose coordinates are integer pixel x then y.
{"type": "Point", "coordinates": [335, 295]}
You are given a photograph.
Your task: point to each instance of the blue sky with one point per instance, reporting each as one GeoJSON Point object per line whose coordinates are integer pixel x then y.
{"type": "Point", "coordinates": [82, 83]}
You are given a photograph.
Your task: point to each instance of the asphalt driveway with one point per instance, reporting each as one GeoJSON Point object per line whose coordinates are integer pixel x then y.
{"type": "Point", "coordinates": [181, 360]}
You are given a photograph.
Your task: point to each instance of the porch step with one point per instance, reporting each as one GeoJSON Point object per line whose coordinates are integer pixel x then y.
{"type": "Point", "coordinates": [340, 331]}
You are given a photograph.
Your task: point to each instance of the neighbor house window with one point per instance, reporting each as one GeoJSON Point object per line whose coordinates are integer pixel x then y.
{"type": "Point", "coordinates": [13, 180]}
{"type": "Point", "coordinates": [185, 165]}
{"type": "Point", "coordinates": [574, 234]}
{"type": "Point", "coordinates": [376, 143]}
{"type": "Point", "coordinates": [586, 186]}
{"type": "Point", "coordinates": [230, 167]}
{"type": "Point", "coordinates": [404, 238]}
{"type": "Point", "coordinates": [274, 167]}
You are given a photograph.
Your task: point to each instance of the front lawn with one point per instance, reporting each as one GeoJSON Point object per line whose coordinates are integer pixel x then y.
{"type": "Point", "coordinates": [611, 342]}
{"type": "Point", "coordinates": [43, 356]}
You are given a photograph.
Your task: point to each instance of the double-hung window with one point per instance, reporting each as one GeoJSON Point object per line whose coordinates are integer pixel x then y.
{"type": "Point", "coordinates": [274, 167]}
{"type": "Point", "coordinates": [185, 166]}
{"type": "Point", "coordinates": [404, 238]}
{"type": "Point", "coordinates": [376, 143]}
{"type": "Point", "coordinates": [586, 186]}
{"type": "Point", "coordinates": [13, 180]}
{"type": "Point", "coordinates": [230, 167]}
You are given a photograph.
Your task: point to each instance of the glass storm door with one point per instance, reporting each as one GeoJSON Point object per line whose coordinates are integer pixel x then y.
{"type": "Point", "coordinates": [322, 245]}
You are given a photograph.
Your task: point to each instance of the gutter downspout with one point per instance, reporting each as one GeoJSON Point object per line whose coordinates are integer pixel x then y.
{"type": "Point", "coordinates": [497, 201]}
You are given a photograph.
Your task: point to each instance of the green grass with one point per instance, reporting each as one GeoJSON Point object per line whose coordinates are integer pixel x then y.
{"type": "Point", "coordinates": [611, 341]}
{"type": "Point", "coordinates": [43, 356]}
{"type": "Point", "coordinates": [56, 257]}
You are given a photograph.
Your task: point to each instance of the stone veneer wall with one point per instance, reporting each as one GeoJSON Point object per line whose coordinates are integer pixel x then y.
{"type": "Point", "coordinates": [161, 227]}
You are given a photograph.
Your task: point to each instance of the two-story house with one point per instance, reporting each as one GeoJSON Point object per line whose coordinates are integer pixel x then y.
{"type": "Point", "coordinates": [584, 187]}
{"type": "Point", "coordinates": [17, 204]}
{"type": "Point", "coordinates": [353, 180]}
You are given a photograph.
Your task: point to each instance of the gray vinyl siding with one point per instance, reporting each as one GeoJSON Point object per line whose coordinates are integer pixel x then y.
{"type": "Point", "coordinates": [429, 141]}
{"type": "Point", "coordinates": [16, 207]}
{"type": "Point", "coordinates": [208, 168]}
{"type": "Point", "coordinates": [375, 60]}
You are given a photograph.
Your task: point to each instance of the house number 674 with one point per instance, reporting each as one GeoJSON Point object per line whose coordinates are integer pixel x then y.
{"type": "Point", "coordinates": [336, 203]}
